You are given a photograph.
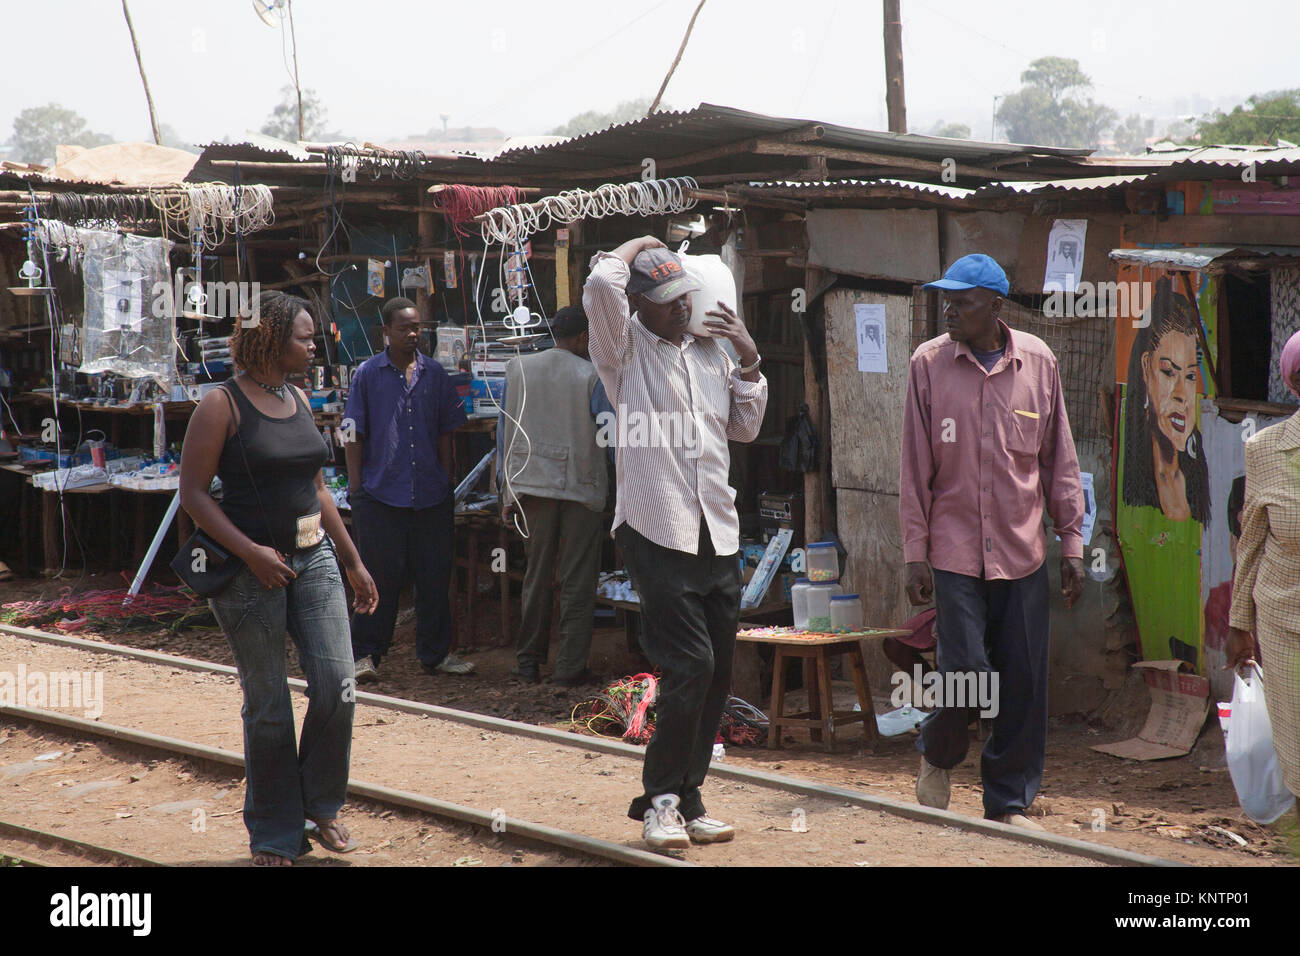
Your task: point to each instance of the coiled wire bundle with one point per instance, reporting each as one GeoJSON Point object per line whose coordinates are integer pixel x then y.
{"type": "Point", "coordinates": [650, 197]}
{"type": "Point", "coordinates": [398, 163]}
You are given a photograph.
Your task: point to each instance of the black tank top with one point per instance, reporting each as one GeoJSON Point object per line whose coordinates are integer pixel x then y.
{"type": "Point", "coordinates": [284, 455]}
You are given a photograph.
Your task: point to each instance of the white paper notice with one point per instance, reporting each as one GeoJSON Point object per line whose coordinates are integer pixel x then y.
{"type": "Point", "coordinates": [1065, 255]}
{"type": "Point", "coordinates": [870, 320]}
{"type": "Point", "coordinates": [1089, 508]}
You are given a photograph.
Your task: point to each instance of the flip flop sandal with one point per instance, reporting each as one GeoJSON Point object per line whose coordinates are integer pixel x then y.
{"type": "Point", "coordinates": [317, 833]}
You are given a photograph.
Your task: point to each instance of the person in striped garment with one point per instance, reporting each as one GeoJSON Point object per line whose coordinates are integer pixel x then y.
{"type": "Point", "coordinates": [679, 399]}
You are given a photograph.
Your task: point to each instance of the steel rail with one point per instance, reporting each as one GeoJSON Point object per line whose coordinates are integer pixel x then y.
{"type": "Point", "coordinates": [911, 811]}
{"type": "Point", "coordinates": [77, 847]}
{"type": "Point", "coordinates": [516, 828]}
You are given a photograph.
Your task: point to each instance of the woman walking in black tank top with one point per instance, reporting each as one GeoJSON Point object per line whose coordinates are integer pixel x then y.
{"type": "Point", "coordinates": [257, 434]}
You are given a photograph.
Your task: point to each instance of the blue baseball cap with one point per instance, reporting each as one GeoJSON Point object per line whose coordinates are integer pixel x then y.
{"type": "Point", "coordinates": [971, 272]}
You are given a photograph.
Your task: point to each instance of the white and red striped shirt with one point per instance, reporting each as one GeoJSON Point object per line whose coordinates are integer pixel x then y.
{"type": "Point", "coordinates": [676, 407]}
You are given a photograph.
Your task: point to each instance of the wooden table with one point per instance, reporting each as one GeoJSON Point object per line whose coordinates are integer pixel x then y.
{"type": "Point", "coordinates": [630, 608]}
{"type": "Point", "coordinates": [815, 650]}
{"type": "Point", "coordinates": [50, 537]}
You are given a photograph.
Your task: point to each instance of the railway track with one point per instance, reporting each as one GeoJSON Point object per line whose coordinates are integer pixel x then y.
{"type": "Point", "coordinates": [26, 844]}
{"type": "Point", "coordinates": [31, 847]}
{"type": "Point", "coordinates": [741, 778]}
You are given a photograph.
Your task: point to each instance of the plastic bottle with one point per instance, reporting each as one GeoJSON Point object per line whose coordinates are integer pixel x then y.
{"type": "Point", "coordinates": [823, 561]}
{"type": "Point", "coordinates": [819, 606]}
{"type": "Point", "coordinates": [846, 612]}
{"type": "Point", "coordinates": [799, 602]}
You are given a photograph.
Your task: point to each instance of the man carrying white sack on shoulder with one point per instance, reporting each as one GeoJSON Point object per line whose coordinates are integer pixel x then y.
{"type": "Point", "coordinates": [675, 517]}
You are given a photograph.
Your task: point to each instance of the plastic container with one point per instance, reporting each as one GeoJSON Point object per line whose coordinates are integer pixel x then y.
{"type": "Point", "coordinates": [823, 561]}
{"type": "Point", "coordinates": [819, 606]}
{"type": "Point", "coordinates": [717, 283]}
{"type": "Point", "coordinates": [799, 601]}
{"type": "Point", "coordinates": [846, 613]}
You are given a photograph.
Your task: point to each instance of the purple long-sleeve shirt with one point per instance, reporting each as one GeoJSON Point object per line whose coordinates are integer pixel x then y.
{"type": "Point", "coordinates": [399, 426]}
{"type": "Point", "coordinates": [982, 452]}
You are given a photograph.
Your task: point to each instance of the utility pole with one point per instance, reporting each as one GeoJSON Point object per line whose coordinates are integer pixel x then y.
{"type": "Point", "coordinates": [153, 117]}
{"type": "Point", "coordinates": [293, 37]}
{"type": "Point", "coordinates": [677, 59]}
{"type": "Point", "coordinates": [894, 99]}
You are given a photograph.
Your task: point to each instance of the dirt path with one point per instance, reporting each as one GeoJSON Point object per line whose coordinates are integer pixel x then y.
{"type": "Point", "coordinates": [187, 813]}
{"type": "Point", "coordinates": [545, 783]}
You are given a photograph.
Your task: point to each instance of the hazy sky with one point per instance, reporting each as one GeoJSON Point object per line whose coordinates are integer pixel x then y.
{"type": "Point", "coordinates": [387, 68]}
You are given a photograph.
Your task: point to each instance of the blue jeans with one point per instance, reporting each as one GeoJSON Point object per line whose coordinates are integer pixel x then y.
{"type": "Point", "coordinates": [288, 784]}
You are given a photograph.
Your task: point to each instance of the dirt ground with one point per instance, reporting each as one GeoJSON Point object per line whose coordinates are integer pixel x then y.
{"type": "Point", "coordinates": [1162, 808]}
{"type": "Point", "coordinates": [187, 813]}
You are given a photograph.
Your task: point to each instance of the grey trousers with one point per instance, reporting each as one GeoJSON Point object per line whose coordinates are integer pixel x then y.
{"type": "Point", "coordinates": [997, 626]}
{"type": "Point", "coordinates": [563, 541]}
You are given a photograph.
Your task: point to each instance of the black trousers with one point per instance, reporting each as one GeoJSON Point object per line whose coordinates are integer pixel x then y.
{"type": "Point", "coordinates": [999, 626]}
{"type": "Point", "coordinates": [689, 609]}
{"type": "Point", "coordinates": [394, 544]}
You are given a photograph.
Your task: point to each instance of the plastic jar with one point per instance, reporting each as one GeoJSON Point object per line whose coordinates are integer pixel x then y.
{"type": "Point", "coordinates": [846, 612]}
{"type": "Point", "coordinates": [799, 601]}
{"type": "Point", "coordinates": [823, 561]}
{"type": "Point", "coordinates": [819, 606]}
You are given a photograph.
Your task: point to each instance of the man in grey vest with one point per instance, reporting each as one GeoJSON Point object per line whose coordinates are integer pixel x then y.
{"type": "Point", "coordinates": [554, 484]}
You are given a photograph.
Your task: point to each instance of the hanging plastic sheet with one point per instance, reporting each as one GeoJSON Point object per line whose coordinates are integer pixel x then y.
{"type": "Point", "coordinates": [129, 326]}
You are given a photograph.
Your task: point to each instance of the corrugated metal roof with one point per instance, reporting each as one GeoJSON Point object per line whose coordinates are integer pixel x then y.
{"type": "Point", "coordinates": [1227, 155]}
{"type": "Point", "coordinates": [1196, 257]}
{"type": "Point", "coordinates": [742, 123]}
{"type": "Point", "coordinates": [1097, 183]}
{"type": "Point", "coordinates": [710, 129]}
{"type": "Point", "coordinates": [866, 186]}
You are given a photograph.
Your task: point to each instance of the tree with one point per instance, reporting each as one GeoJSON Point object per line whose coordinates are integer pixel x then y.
{"type": "Point", "coordinates": [1042, 113]}
{"type": "Point", "coordinates": [593, 120]}
{"type": "Point", "coordinates": [39, 129]}
{"type": "Point", "coordinates": [1261, 120]}
{"type": "Point", "coordinates": [173, 139]}
{"type": "Point", "coordinates": [950, 130]}
{"type": "Point", "coordinates": [283, 121]}
{"type": "Point", "coordinates": [1131, 135]}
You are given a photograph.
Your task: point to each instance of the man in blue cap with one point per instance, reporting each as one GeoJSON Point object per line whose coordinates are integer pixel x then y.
{"type": "Point", "coordinates": [986, 443]}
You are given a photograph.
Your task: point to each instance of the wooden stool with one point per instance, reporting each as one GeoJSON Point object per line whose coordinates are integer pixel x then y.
{"type": "Point", "coordinates": [816, 650]}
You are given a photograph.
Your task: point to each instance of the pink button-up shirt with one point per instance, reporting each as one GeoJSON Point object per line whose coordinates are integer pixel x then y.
{"type": "Point", "coordinates": [982, 452]}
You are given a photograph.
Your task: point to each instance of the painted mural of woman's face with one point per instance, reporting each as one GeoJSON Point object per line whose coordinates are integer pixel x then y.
{"type": "Point", "coordinates": [1169, 373]}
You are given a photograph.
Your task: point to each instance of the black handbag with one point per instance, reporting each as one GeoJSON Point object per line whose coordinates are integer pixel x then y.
{"type": "Point", "coordinates": [206, 567]}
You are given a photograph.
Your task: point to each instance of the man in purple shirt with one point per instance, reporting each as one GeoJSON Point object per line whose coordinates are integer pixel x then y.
{"type": "Point", "coordinates": [986, 444]}
{"type": "Point", "coordinates": [402, 409]}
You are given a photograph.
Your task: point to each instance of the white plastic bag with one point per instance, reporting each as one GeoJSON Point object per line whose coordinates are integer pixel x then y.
{"type": "Point", "coordinates": [1252, 761]}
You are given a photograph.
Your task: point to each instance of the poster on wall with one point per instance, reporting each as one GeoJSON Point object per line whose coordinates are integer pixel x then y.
{"type": "Point", "coordinates": [870, 322]}
{"type": "Point", "coordinates": [1065, 255]}
{"type": "Point", "coordinates": [1164, 505]}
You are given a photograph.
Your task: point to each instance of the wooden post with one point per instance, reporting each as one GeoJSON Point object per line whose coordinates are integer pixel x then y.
{"type": "Point", "coordinates": [894, 100]}
{"type": "Point", "coordinates": [153, 117]}
{"type": "Point", "coordinates": [562, 296]}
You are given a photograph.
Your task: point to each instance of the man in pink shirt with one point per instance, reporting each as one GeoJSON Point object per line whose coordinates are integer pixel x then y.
{"type": "Point", "coordinates": [986, 443]}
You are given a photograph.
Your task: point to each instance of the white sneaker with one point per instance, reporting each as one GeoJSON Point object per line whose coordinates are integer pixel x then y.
{"type": "Point", "coordinates": [932, 788]}
{"type": "Point", "coordinates": [664, 827]}
{"type": "Point", "coordinates": [708, 830]}
{"type": "Point", "coordinates": [451, 664]}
